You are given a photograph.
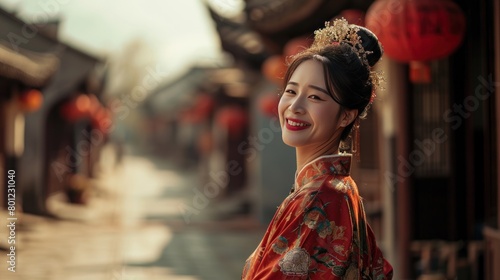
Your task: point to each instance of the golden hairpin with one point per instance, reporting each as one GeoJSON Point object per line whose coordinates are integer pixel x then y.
{"type": "Point", "coordinates": [341, 32]}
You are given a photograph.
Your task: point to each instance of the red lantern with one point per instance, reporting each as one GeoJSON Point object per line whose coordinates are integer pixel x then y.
{"type": "Point", "coordinates": [420, 72]}
{"type": "Point", "coordinates": [274, 68]}
{"type": "Point", "coordinates": [101, 120]}
{"type": "Point", "coordinates": [234, 119]}
{"type": "Point", "coordinates": [198, 112]}
{"type": "Point", "coordinates": [297, 45]}
{"type": "Point", "coordinates": [204, 104]}
{"type": "Point", "coordinates": [77, 108]}
{"type": "Point", "coordinates": [412, 30]}
{"type": "Point", "coordinates": [95, 104]}
{"type": "Point", "coordinates": [269, 105]}
{"type": "Point", "coordinates": [31, 100]}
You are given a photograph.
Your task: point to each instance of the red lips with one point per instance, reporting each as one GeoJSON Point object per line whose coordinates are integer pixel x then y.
{"type": "Point", "coordinates": [296, 125]}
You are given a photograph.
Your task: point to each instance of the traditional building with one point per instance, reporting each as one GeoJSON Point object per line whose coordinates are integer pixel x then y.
{"type": "Point", "coordinates": [33, 57]}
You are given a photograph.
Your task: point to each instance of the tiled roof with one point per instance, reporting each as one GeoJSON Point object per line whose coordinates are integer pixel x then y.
{"type": "Point", "coordinates": [32, 68]}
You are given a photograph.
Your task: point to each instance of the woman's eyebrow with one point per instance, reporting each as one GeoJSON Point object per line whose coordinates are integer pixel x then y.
{"type": "Point", "coordinates": [319, 89]}
{"type": "Point", "coordinates": [311, 86]}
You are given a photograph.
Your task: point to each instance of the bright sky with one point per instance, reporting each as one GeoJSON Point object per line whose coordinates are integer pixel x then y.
{"type": "Point", "coordinates": [179, 33]}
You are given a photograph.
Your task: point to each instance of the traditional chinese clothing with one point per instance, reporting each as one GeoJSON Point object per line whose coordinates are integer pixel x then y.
{"type": "Point", "coordinates": [320, 230]}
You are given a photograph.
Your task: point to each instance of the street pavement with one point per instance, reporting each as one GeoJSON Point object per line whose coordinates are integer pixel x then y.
{"type": "Point", "coordinates": [133, 228]}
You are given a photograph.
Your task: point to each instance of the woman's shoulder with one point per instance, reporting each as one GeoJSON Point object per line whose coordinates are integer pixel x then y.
{"type": "Point", "coordinates": [339, 185]}
{"type": "Point", "coordinates": [337, 189]}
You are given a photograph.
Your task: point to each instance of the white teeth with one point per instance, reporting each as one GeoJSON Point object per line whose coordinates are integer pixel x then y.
{"type": "Point", "coordinates": [292, 123]}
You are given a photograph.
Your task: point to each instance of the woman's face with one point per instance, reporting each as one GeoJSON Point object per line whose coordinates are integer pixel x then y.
{"type": "Point", "coordinates": [308, 114]}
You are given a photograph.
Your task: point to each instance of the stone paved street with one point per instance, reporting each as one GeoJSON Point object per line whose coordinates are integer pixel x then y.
{"type": "Point", "coordinates": [132, 229]}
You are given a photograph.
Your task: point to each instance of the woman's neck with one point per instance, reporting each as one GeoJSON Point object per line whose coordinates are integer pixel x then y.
{"type": "Point", "coordinates": [304, 155]}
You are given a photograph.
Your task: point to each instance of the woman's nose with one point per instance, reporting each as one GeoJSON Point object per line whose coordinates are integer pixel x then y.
{"type": "Point", "coordinates": [297, 105]}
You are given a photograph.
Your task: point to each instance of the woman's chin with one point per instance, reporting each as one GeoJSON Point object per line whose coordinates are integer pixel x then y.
{"type": "Point", "coordinates": [292, 141]}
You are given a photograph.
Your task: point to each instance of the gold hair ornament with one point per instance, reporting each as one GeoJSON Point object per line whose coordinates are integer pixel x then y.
{"type": "Point", "coordinates": [341, 32]}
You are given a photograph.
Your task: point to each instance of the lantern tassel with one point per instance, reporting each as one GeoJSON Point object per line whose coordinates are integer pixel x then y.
{"type": "Point", "coordinates": [420, 72]}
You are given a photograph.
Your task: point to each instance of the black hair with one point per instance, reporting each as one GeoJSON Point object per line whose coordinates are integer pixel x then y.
{"type": "Point", "coordinates": [347, 78]}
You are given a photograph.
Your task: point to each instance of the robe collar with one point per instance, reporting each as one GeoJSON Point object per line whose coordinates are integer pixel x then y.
{"type": "Point", "coordinates": [339, 164]}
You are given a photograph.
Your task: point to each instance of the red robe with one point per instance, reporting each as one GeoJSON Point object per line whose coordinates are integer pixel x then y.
{"type": "Point", "coordinates": [320, 230]}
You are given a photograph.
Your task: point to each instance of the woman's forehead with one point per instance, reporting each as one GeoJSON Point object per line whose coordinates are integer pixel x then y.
{"type": "Point", "coordinates": [309, 71]}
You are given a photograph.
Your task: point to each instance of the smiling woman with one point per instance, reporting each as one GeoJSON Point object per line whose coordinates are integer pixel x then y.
{"type": "Point", "coordinates": [320, 230]}
{"type": "Point", "coordinates": [305, 106]}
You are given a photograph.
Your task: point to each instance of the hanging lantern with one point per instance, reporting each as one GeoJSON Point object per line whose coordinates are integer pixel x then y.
{"type": "Point", "coordinates": [420, 72]}
{"type": "Point", "coordinates": [31, 100]}
{"type": "Point", "coordinates": [296, 45]}
{"type": "Point", "coordinates": [203, 107]}
{"type": "Point", "coordinates": [101, 119]}
{"type": "Point", "coordinates": [268, 105]}
{"type": "Point", "coordinates": [199, 111]}
{"type": "Point", "coordinates": [412, 30]}
{"type": "Point", "coordinates": [95, 104]}
{"type": "Point", "coordinates": [234, 119]}
{"type": "Point", "coordinates": [77, 108]}
{"type": "Point", "coordinates": [204, 104]}
{"type": "Point", "coordinates": [274, 68]}
{"type": "Point", "coordinates": [421, 30]}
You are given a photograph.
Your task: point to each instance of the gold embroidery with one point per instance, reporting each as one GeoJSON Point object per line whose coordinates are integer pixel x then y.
{"type": "Point", "coordinates": [340, 185]}
{"type": "Point", "coordinates": [295, 262]}
{"type": "Point", "coordinates": [339, 249]}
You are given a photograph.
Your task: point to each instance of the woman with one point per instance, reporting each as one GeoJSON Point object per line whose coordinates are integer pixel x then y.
{"type": "Point", "coordinates": [320, 229]}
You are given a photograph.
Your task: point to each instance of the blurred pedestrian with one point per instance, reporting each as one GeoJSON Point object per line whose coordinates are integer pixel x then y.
{"type": "Point", "coordinates": [320, 230]}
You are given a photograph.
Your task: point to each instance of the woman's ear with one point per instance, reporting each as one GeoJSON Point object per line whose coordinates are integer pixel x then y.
{"type": "Point", "coordinates": [348, 116]}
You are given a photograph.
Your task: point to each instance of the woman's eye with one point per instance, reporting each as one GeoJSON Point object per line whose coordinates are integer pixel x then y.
{"type": "Point", "coordinates": [291, 91]}
{"type": "Point", "coordinates": [315, 97]}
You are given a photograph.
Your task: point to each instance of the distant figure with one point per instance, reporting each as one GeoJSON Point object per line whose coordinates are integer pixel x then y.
{"type": "Point", "coordinates": [320, 230]}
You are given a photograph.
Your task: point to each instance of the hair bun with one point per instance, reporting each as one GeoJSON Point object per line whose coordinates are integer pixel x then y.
{"type": "Point", "coordinates": [370, 44]}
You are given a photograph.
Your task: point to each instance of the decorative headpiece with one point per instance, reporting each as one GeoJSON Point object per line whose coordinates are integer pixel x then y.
{"type": "Point", "coordinates": [341, 32]}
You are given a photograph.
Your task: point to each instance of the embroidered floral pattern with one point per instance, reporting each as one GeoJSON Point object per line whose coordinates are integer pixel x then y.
{"type": "Point", "coordinates": [312, 217]}
{"type": "Point", "coordinates": [295, 262]}
{"type": "Point", "coordinates": [281, 245]}
{"type": "Point", "coordinates": [324, 229]}
{"type": "Point", "coordinates": [339, 249]}
{"type": "Point", "coordinates": [337, 231]}
{"type": "Point", "coordinates": [340, 185]}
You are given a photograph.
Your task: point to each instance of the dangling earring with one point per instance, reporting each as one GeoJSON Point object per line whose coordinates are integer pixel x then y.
{"type": "Point", "coordinates": [355, 150]}
{"type": "Point", "coordinates": [345, 145]}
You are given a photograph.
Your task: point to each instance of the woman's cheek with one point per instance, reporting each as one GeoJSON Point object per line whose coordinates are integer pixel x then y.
{"type": "Point", "coordinates": [281, 109]}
